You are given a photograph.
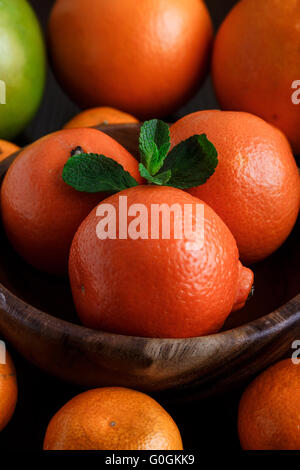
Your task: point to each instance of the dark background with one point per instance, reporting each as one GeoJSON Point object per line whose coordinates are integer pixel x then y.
{"type": "Point", "coordinates": [209, 425]}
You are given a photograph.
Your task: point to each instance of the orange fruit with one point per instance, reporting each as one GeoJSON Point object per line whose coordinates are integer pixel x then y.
{"type": "Point", "coordinates": [7, 148]}
{"type": "Point", "coordinates": [40, 212]}
{"type": "Point", "coordinates": [112, 419]}
{"type": "Point", "coordinates": [269, 411]}
{"type": "Point", "coordinates": [157, 287]}
{"type": "Point", "coordinates": [146, 58]}
{"type": "Point", "coordinates": [100, 117]}
{"type": "Point", "coordinates": [256, 61]}
{"type": "Point", "coordinates": [8, 391]}
{"type": "Point", "coordinates": [256, 186]}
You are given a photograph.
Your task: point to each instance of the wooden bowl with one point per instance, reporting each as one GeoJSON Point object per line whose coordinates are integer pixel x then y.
{"type": "Point", "coordinates": [38, 318]}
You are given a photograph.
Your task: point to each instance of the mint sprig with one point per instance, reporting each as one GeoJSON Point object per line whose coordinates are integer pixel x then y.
{"type": "Point", "coordinates": [192, 162]}
{"type": "Point", "coordinates": [161, 179]}
{"type": "Point", "coordinates": [93, 173]}
{"type": "Point", "coordinates": [154, 144]}
{"type": "Point", "coordinates": [188, 164]}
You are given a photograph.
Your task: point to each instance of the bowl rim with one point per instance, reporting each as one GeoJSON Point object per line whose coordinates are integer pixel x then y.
{"type": "Point", "coordinates": [8, 301]}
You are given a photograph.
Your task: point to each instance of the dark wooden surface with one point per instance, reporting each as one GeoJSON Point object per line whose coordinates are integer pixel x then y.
{"type": "Point", "coordinates": [206, 425]}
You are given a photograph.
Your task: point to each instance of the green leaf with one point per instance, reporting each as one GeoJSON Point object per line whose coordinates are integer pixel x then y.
{"type": "Point", "coordinates": [93, 173]}
{"type": "Point", "coordinates": [160, 179]}
{"type": "Point", "coordinates": [192, 162]}
{"type": "Point", "coordinates": [154, 144]}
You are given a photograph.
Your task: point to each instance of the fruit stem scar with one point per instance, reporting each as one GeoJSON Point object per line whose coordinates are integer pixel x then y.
{"type": "Point", "coordinates": [112, 424]}
{"type": "Point", "coordinates": [76, 151]}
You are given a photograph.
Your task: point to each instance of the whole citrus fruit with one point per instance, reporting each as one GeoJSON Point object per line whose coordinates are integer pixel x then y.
{"type": "Point", "coordinates": [40, 212]}
{"type": "Point", "coordinates": [8, 391]}
{"type": "Point", "coordinates": [22, 65]}
{"type": "Point", "coordinates": [269, 411]}
{"type": "Point", "coordinates": [144, 57]}
{"type": "Point", "coordinates": [256, 62]}
{"type": "Point", "coordinates": [256, 186]}
{"type": "Point", "coordinates": [7, 148]}
{"type": "Point", "coordinates": [112, 419]}
{"type": "Point", "coordinates": [162, 285]}
{"type": "Point", "coordinates": [100, 117]}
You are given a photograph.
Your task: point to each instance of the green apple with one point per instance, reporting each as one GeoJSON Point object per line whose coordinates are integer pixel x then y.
{"type": "Point", "coordinates": [22, 66]}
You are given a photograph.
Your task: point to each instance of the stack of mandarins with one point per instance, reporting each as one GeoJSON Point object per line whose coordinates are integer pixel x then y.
{"type": "Point", "coordinates": [115, 281]}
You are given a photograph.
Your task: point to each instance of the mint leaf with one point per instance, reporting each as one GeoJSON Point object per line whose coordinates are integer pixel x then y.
{"type": "Point", "coordinates": [192, 162]}
{"type": "Point", "coordinates": [154, 143]}
{"type": "Point", "coordinates": [160, 179]}
{"type": "Point", "coordinates": [93, 173]}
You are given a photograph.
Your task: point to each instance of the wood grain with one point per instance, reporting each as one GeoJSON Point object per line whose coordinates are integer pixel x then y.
{"type": "Point", "coordinates": [37, 317]}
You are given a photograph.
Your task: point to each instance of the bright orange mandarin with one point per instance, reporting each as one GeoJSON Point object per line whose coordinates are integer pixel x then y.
{"type": "Point", "coordinates": [40, 212]}
{"type": "Point", "coordinates": [144, 57]}
{"type": "Point", "coordinates": [100, 117]}
{"type": "Point", "coordinates": [157, 287]}
{"type": "Point", "coordinates": [8, 391]}
{"type": "Point", "coordinates": [7, 148]}
{"type": "Point", "coordinates": [112, 419]}
{"type": "Point", "coordinates": [256, 186]}
{"type": "Point", "coordinates": [269, 411]}
{"type": "Point", "coordinates": [256, 61]}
